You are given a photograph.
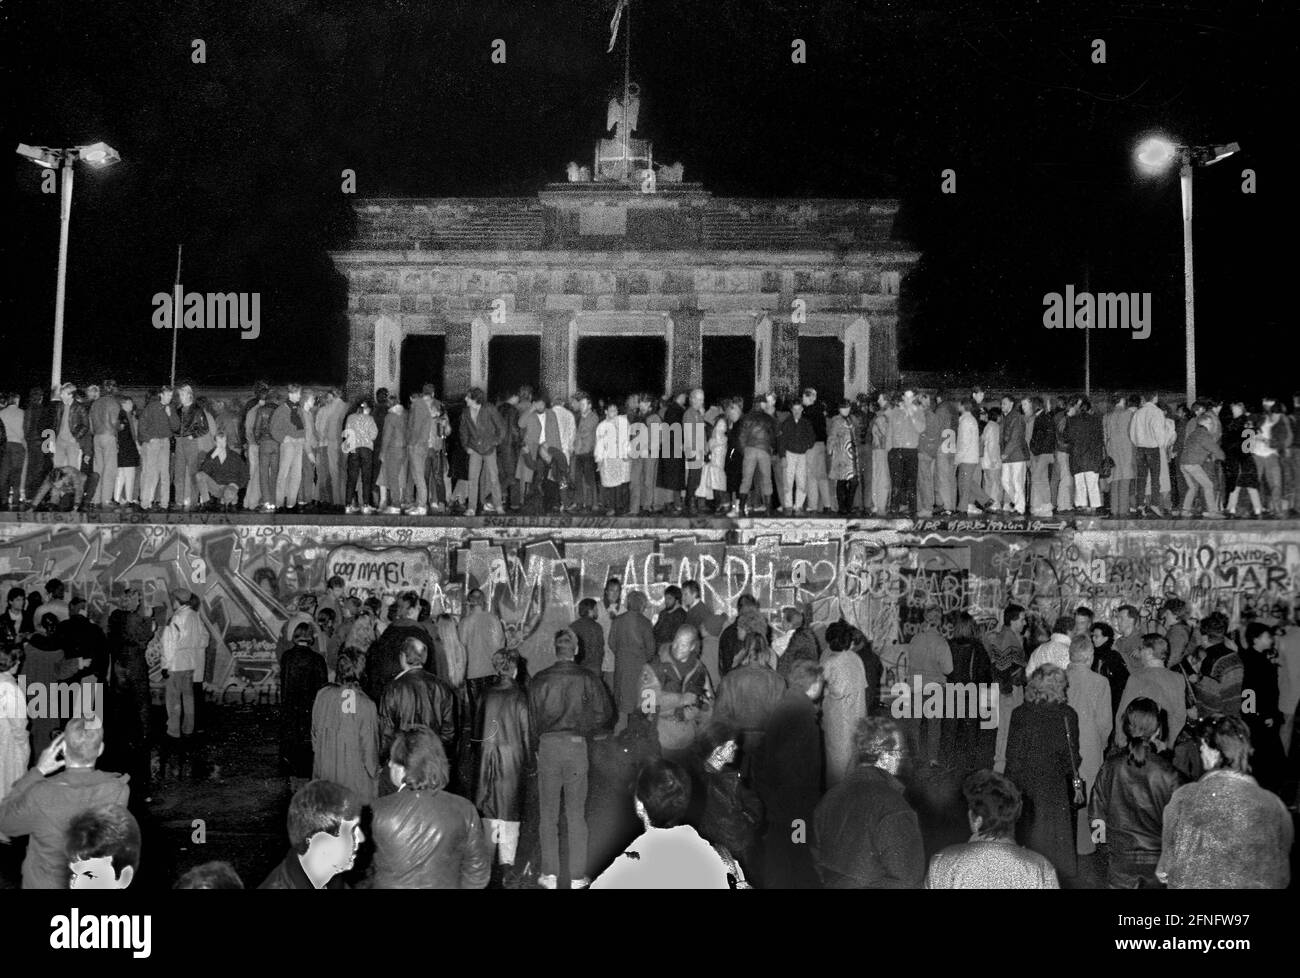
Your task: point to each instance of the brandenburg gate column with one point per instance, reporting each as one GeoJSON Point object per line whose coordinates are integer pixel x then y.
{"type": "Point", "coordinates": [687, 350]}
{"type": "Point", "coordinates": [559, 346]}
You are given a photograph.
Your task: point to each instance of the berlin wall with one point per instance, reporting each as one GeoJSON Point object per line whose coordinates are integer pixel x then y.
{"type": "Point", "coordinates": [878, 575]}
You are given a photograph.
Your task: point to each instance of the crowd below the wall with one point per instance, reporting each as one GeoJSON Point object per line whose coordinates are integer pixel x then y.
{"type": "Point", "coordinates": [907, 454]}
{"type": "Point", "coordinates": [1117, 758]}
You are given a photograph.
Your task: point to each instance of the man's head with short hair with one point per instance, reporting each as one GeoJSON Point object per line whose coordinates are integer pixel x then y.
{"type": "Point", "coordinates": [587, 608]}
{"type": "Point", "coordinates": [675, 593]}
{"type": "Point", "coordinates": [1225, 743]}
{"type": "Point", "coordinates": [418, 760]}
{"type": "Point", "coordinates": [691, 590]}
{"type": "Point", "coordinates": [324, 827]}
{"type": "Point", "coordinates": [839, 636]}
{"type": "Point", "coordinates": [1215, 625]}
{"type": "Point", "coordinates": [83, 741]}
{"type": "Point", "coordinates": [77, 606]}
{"type": "Point", "coordinates": [1010, 614]}
{"type": "Point", "coordinates": [993, 804]}
{"type": "Point", "coordinates": [566, 644]}
{"type": "Point", "coordinates": [215, 875]}
{"type": "Point", "coordinates": [55, 589]}
{"type": "Point", "coordinates": [1127, 617]}
{"type": "Point", "coordinates": [686, 642]}
{"type": "Point", "coordinates": [879, 742]}
{"type": "Point", "coordinates": [102, 847]}
{"type": "Point", "coordinates": [408, 604]}
{"type": "Point", "coordinates": [806, 676]}
{"type": "Point", "coordinates": [476, 599]}
{"type": "Point", "coordinates": [663, 794]}
{"type": "Point", "coordinates": [414, 652]}
{"type": "Point", "coordinates": [475, 396]}
{"type": "Point", "coordinates": [505, 662]}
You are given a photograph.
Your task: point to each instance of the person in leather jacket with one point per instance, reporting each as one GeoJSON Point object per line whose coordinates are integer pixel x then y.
{"type": "Point", "coordinates": [1127, 806]}
{"type": "Point", "coordinates": [757, 443]}
{"type": "Point", "coordinates": [417, 696]}
{"type": "Point", "coordinates": [425, 837]}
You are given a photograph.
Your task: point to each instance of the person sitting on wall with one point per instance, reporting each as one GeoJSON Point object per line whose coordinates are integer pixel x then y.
{"type": "Point", "coordinates": [221, 475]}
{"type": "Point", "coordinates": [57, 485]}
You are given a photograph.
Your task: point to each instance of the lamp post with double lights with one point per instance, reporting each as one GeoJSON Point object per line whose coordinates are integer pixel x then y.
{"type": "Point", "coordinates": [1156, 154]}
{"type": "Point", "coordinates": [50, 158]}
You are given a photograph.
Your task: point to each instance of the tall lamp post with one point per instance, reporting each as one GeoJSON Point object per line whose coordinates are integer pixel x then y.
{"type": "Point", "coordinates": [1155, 155]}
{"type": "Point", "coordinates": [96, 154]}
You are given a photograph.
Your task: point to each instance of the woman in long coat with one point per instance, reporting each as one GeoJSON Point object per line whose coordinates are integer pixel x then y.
{"type": "Point", "coordinates": [735, 465]}
{"type": "Point", "coordinates": [971, 743]}
{"type": "Point", "coordinates": [392, 458]}
{"type": "Point", "coordinates": [1089, 697]}
{"type": "Point", "coordinates": [842, 457]}
{"type": "Point", "coordinates": [1042, 753]}
{"type": "Point", "coordinates": [14, 745]}
{"type": "Point", "coordinates": [880, 446]}
{"type": "Point", "coordinates": [345, 731]}
{"type": "Point", "coordinates": [1119, 448]}
{"type": "Point", "coordinates": [672, 471]}
{"type": "Point", "coordinates": [844, 702]}
{"type": "Point", "coordinates": [501, 732]}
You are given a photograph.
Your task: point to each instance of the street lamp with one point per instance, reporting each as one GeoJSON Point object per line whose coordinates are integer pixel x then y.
{"type": "Point", "coordinates": [50, 158]}
{"type": "Point", "coordinates": [1155, 154]}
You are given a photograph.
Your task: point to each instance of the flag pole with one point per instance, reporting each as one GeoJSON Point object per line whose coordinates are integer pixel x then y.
{"type": "Point", "coordinates": [627, 88]}
{"type": "Point", "coordinates": [176, 313]}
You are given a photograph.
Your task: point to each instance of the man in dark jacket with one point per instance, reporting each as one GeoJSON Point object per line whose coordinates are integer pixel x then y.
{"type": "Point", "coordinates": [758, 442]}
{"type": "Point", "coordinates": [384, 657]}
{"type": "Point", "coordinates": [1015, 457]}
{"type": "Point", "coordinates": [1042, 452]}
{"type": "Point", "coordinates": [417, 696]}
{"type": "Point", "coordinates": [426, 838]}
{"type": "Point", "coordinates": [481, 431]}
{"type": "Point", "coordinates": [508, 448]}
{"type": "Point", "coordinates": [671, 618]}
{"type": "Point", "coordinates": [43, 802]}
{"type": "Point", "coordinates": [787, 773]}
{"type": "Point", "coordinates": [865, 835]}
{"type": "Point", "coordinates": [632, 640]}
{"type": "Point", "coordinates": [81, 638]}
{"type": "Point", "coordinates": [566, 706]}
{"type": "Point", "coordinates": [324, 836]}
{"type": "Point", "coordinates": [795, 438]}
{"type": "Point", "coordinates": [803, 643]}
{"type": "Point", "coordinates": [1086, 446]}
{"type": "Point", "coordinates": [591, 637]}
{"type": "Point", "coordinates": [302, 674]}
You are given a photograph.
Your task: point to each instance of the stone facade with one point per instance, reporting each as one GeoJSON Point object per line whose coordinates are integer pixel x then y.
{"type": "Point", "coordinates": [595, 259]}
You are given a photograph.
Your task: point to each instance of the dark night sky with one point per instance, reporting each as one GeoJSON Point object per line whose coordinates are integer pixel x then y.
{"type": "Point", "coordinates": [240, 158]}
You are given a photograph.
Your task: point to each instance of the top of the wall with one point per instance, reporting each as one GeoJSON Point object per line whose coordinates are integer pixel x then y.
{"type": "Point", "coordinates": [574, 217]}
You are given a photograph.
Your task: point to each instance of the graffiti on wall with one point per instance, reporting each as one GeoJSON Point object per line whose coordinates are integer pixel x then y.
{"type": "Point", "coordinates": [248, 577]}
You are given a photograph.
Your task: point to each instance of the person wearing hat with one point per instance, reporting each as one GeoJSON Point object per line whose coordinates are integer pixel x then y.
{"type": "Point", "coordinates": [184, 644]}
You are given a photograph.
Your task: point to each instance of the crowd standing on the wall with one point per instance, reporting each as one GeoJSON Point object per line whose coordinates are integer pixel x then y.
{"type": "Point", "coordinates": [911, 453]}
{"type": "Point", "coordinates": [1158, 759]}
